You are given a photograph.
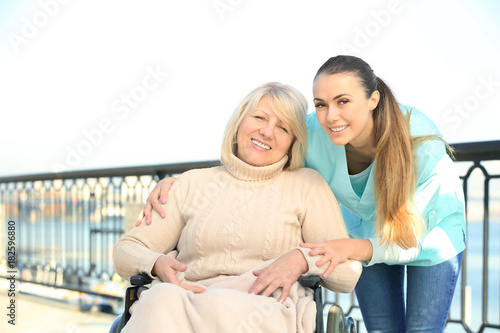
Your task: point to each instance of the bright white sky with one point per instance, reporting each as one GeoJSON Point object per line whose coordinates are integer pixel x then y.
{"type": "Point", "coordinates": [76, 89]}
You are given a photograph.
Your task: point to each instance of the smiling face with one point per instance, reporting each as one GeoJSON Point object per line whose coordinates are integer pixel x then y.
{"type": "Point", "coordinates": [263, 138]}
{"type": "Point", "coordinates": [343, 110]}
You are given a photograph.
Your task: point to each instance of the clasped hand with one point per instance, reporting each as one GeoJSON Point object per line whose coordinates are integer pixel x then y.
{"type": "Point", "coordinates": [287, 269]}
{"type": "Point", "coordinates": [283, 272]}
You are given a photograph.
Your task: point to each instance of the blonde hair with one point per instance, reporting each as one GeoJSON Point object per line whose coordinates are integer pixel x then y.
{"type": "Point", "coordinates": [288, 104]}
{"type": "Point", "coordinates": [398, 220]}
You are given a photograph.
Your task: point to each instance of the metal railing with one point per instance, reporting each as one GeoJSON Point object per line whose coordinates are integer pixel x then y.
{"type": "Point", "coordinates": [478, 153]}
{"type": "Point", "coordinates": [65, 225]}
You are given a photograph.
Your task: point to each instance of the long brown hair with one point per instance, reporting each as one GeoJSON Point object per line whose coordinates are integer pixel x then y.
{"type": "Point", "coordinates": [398, 221]}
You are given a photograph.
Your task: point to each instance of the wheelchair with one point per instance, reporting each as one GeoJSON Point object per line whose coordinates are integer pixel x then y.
{"type": "Point", "coordinates": [337, 322]}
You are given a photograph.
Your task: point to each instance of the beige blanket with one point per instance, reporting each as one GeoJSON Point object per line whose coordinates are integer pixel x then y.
{"type": "Point", "coordinates": [226, 306]}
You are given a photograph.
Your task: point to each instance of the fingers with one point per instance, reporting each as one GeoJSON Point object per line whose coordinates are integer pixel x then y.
{"type": "Point", "coordinates": [174, 266]}
{"type": "Point", "coordinates": [139, 218]}
{"type": "Point", "coordinates": [317, 251]}
{"type": "Point", "coordinates": [195, 289]}
{"type": "Point", "coordinates": [164, 189]}
{"type": "Point", "coordinates": [326, 258]}
{"type": "Point", "coordinates": [282, 273]}
{"type": "Point", "coordinates": [268, 289]}
{"type": "Point", "coordinates": [320, 248]}
{"type": "Point", "coordinates": [166, 268]}
{"type": "Point", "coordinates": [177, 265]}
{"type": "Point", "coordinates": [147, 212]}
{"type": "Point", "coordinates": [310, 245]}
{"type": "Point", "coordinates": [153, 203]}
{"type": "Point", "coordinates": [158, 207]}
{"type": "Point", "coordinates": [266, 286]}
{"type": "Point", "coordinates": [272, 287]}
{"type": "Point", "coordinates": [156, 198]}
{"type": "Point", "coordinates": [329, 269]}
{"type": "Point", "coordinates": [171, 277]}
{"type": "Point", "coordinates": [263, 287]}
{"type": "Point", "coordinates": [159, 193]}
{"type": "Point", "coordinates": [257, 286]}
{"type": "Point", "coordinates": [284, 293]}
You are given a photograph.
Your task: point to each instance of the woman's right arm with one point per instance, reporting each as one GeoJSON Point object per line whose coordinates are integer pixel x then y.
{"type": "Point", "coordinates": [157, 197]}
{"type": "Point", "coordinates": [138, 250]}
{"type": "Point", "coordinates": [144, 249]}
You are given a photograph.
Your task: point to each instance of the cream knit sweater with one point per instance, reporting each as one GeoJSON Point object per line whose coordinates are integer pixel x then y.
{"type": "Point", "coordinates": [226, 220]}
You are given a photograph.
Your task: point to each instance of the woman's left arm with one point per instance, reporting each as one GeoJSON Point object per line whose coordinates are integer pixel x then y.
{"type": "Point", "coordinates": [431, 177]}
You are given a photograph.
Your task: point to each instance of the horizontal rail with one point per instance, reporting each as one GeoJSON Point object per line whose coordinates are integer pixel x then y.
{"type": "Point", "coordinates": [477, 151]}
{"type": "Point", "coordinates": [155, 170]}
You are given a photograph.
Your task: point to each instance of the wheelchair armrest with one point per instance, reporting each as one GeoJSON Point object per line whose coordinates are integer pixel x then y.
{"type": "Point", "coordinates": [310, 281]}
{"type": "Point", "coordinates": [140, 279]}
{"type": "Point", "coordinates": [313, 283]}
{"type": "Point", "coordinates": [132, 293]}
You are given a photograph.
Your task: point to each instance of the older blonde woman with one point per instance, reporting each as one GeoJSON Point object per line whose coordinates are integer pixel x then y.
{"type": "Point", "coordinates": [228, 223]}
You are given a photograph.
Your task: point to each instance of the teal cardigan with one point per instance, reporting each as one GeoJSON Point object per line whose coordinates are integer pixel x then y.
{"type": "Point", "coordinates": [439, 195]}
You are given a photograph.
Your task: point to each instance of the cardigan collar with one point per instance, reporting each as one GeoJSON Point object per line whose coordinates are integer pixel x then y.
{"type": "Point", "coordinates": [245, 171]}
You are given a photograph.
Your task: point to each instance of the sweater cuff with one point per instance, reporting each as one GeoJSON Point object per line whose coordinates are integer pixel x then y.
{"type": "Point", "coordinates": [391, 254]}
{"type": "Point", "coordinates": [311, 262]}
{"type": "Point", "coordinates": [147, 261]}
{"type": "Point", "coordinates": [377, 256]}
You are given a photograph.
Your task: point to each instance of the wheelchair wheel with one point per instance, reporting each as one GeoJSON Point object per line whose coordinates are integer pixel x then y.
{"type": "Point", "coordinates": [335, 321]}
{"type": "Point", "coordinates": [349, 326]}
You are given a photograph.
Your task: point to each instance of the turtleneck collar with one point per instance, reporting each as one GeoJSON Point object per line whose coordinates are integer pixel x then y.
{"type": "Point", "coordinates": [245, 171]}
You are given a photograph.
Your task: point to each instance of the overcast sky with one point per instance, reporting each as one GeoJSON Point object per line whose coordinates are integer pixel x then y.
{"type": "Point", "coordinates": [98, 84]}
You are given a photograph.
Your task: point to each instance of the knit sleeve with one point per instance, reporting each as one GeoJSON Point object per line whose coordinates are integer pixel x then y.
{"type": "Point", "coordinates": [137, 251]}
{"type": "Point", "coordinates": [323, 221]}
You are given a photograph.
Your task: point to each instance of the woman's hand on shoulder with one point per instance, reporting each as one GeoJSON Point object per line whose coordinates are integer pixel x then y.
{"type": "Point", "coordinates": [283, 272]}
{"type": "Point", "coordinates": [159, 193]}
{"type": "Point", "coordinates": [166, 268]}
